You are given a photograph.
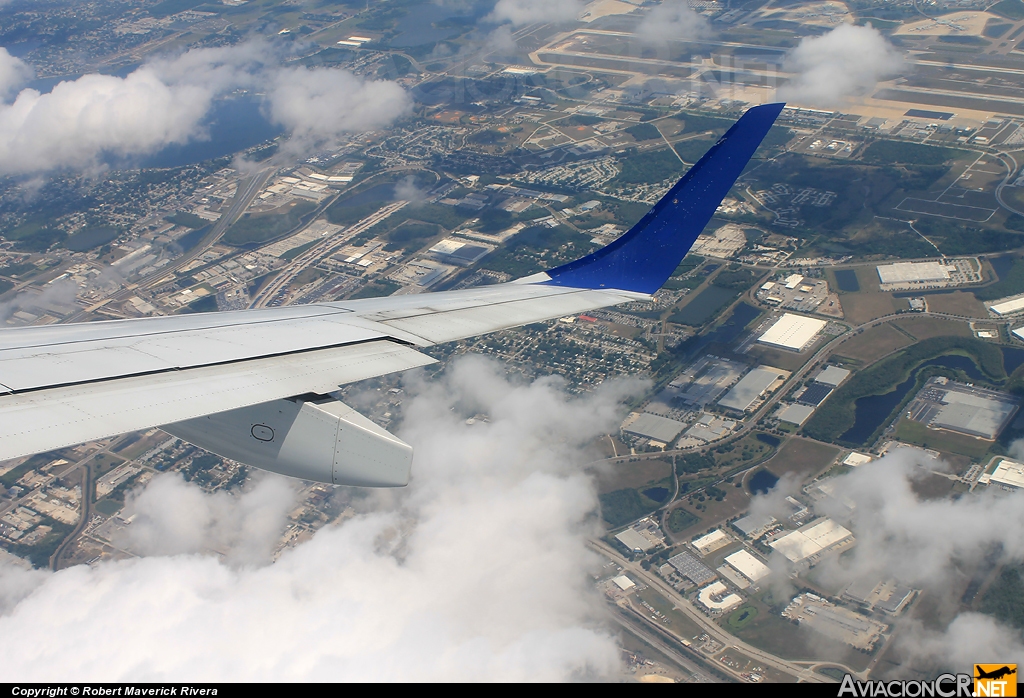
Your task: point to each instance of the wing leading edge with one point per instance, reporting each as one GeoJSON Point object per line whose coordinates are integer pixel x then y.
{"type": "Point", "coordinates": [66, 384]}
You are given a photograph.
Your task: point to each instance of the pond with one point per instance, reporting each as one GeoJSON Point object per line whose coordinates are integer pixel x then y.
{"type": "Point", "coordinates": [419, 26]}
{"type": "Point", "coordinates": [768, 439]}
{"type": "Point", "coordinates": [1002, 264]}
{"type": "Point", "coordinates": [657, 494]}
{"type": "Point", "coordinates": [703, 306]}
{"type": "Point", "coordinates": [1012, 359]}
{"type": "Point", "coordinates": [762, 481]}
{"type": "Point", "coordinates": [847, 280]}
{"type": "Point", "coordinates": [872, 411]}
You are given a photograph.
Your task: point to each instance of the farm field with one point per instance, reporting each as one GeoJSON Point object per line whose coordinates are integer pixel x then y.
{"type": "Point", "coordinates": [957, 303]}
{"type": "Point", "coordinates": [928, 327]}
{"type": "Point", "coordinates": [873, 343]}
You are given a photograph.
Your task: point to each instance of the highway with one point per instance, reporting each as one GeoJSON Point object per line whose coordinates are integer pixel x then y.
{"type": "Point", "coordinates": [320, 251]}
{"type": "Point", "coordinates": [797, 670]}
{"type": "Point", "coordinates": [248, 189]}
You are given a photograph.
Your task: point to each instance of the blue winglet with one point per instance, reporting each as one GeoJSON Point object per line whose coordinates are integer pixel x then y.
{"type": "Point", "coordinates": [643, 258]}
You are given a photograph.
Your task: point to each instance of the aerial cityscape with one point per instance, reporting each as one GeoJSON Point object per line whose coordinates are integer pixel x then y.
{"type": "Point", "coordinates": [801, 459]}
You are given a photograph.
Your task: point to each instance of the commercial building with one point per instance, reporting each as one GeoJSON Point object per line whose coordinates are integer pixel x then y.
{"type": "Point", "coordinates": [705, 381]}
{"type": "Point", "coordinates": [751, 387]}
{"type": "Point", "coordinates": [793, 332]}
{"type": "Point", "coordinates": [691, 568]}
{"type": "Point", "coordinates": [1008, 307]}
{"type": "Point", "coordinates": [623, 582]}
{"type": "Point", "coordinates": [913, 272]}
{"type": "Point", "coordinates": [653, 427]}
{"type": "Point", "coordinates": [753, 526]}
{"type": "Point", "coordinates": [1008, 474]}
{"type": "Point", "coordinates": [459, 252]}
{"type": "Point", "coordinates": [855, 459]}
{"type": "Point", "coordinates": [946, 404]}
{"type": "Point", "coordinates": [748, 565]}
{"type": "Point", "coordinates": [812, 539]}
{"type": "Point", "coordinates": [634, 541]}
{"type": "Point", "coordinates": [715, 598]}
{"type": "Point", "coordinates": [795, 414]}
{"type": "Point", "coordinates": [833, 375]}
{"type": "Point", "coordinates": [708, 544]}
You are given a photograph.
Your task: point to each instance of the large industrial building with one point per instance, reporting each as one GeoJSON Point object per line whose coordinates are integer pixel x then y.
{"type": "Point", "coordinates": [652, 426]}
{"type": "Point", "coordinates": [812, 539]}
{"type": "Point", "coordinates": [711, 542]}
{"type": "Point", "coordinates": [946, 404]}
{"type": "Point", "coordinates": [1007, 474]}
{"type": "Point", "coordinates": [793, 332]}
{"type": "Point", "coordinates": [748, 565]}
{"type": "Point", "coordinates": [691, 568]}
{"type": "Point", "coordinates": [751, 387]}
{"type": "Point", "coordinates": [1008, 307]}
{"type": "Point", "coordinates": [913, 272]}
{"type": "Point", "coordinates": [705, 381]}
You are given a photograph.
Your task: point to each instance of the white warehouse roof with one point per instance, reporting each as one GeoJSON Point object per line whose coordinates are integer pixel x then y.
{"type": "Point", "coordinates": [792, 331]}
{"type": "Point", "coordinates": [904, 272]}
{"type": "Point", "coordinates": [810, 540]}
{"type": "Point", "coordinates": [1007, 307]}
{"type": "Point", "coordinates": [711, 542]}
{"type": "Point", "coordinates": [748, 565]}
{"type": "Point", "coordinates": [1009, 474]}
{"type": "Point", "coordinates": [751, 387]}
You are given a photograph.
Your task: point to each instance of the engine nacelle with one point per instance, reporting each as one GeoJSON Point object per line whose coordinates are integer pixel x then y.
{"type": "Point", "coordinates": [323, 440]}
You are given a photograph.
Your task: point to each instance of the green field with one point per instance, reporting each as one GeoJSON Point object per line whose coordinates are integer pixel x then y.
{"type": "Point", "coordinates": [253, 229]}
{"type": "Point", "coordinates": [885, 152]}
{"type": "Point", "coordinates": [741, 616]}
{"type": "Point", "coordinates": [679, 519]}
{"type": "Point", "coordinates": [940, 439]}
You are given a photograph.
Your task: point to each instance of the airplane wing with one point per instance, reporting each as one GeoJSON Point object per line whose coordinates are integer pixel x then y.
{"type": "Point", "coordinates": [249, 385]}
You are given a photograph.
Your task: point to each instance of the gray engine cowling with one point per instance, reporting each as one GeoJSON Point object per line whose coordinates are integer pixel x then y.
{"type": "Point", "coordinates": [323, 440]}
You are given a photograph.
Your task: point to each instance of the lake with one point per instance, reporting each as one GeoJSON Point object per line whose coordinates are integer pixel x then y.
{"type": "Point", "coordinates": [1002, 264]}
{"type": "Point", "coordinates": [762, 481]}
{"type": "Point", "coordinates": [1012, 359]}
{"type": "Point", "coordinates": [232, 125]}
{"type": "Point", "coordinates": [657, 494]}
{"type": "Point", "coordinates": [872, 411]}
{"type": "Point", "coordinates": [847, 280]}
{"type": "Point", "coordinates": [416, 28]}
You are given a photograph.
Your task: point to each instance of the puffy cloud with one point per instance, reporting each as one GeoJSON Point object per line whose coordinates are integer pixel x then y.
{"type": "Point", "coordinates": [520, 12]}
{"type": "Point", "coordinates": [165, 102]}
{"type": "Point", "coordinates": [79, 121]}
{"type": "Point", "coordinates": [175, 517]}
{"type": "Point", "coordinates": [13, 73]}
{"type": "Point", "coordinates": [60, 294]}
{"type": "Point", "coordinates": [671, 20]}
{"type": "Point", "coordinates": [476, 571]}
{"type": "Point", "coordinates": [846, 62]}
{"type": "Point", "coordinates": [322, 103]}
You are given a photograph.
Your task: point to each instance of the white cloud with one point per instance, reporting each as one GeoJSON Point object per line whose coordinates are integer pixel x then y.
{"type": "Point", "coordinates": [671, 20]}
{"type": "Point", "coordinates": [13, 73]}
{"type": "Point", "coordinates": [520, 12]}
{"type": "Point", "coordinates": [476, 571]}
{"type": "Point", "coordinates": [174, 517]}
{"type": "Point", "coordinates": [846, 62]}
{"type": "Point", "coordinates": [318, 104]}
{"type": "Point", "coordinates": [166, 101]}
